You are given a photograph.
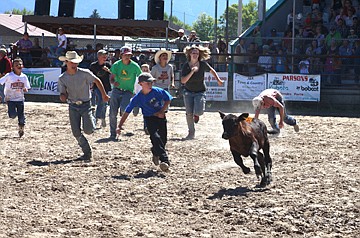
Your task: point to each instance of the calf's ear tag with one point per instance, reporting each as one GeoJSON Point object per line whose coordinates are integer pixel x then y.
{"type": "Point", "coordinates": [249, 119]}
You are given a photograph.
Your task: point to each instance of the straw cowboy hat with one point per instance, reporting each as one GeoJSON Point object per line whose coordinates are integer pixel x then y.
{"type": "Point", "coordinates": [71, 56]}
{"type": "Point", "coordinates": [160, 52]}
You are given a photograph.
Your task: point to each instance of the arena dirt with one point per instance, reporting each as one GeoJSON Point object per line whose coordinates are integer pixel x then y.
{"type": "Point", "coordinates": [44, 192]}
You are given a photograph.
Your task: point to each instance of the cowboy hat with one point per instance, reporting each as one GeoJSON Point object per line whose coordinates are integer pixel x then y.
{"type": "Point", "coordinates": [160, 52]}
{"type": "Point", "coordinates": [71, 56]}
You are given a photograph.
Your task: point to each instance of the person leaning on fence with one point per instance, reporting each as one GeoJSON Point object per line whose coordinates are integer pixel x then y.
{"type": "Point", "coordinates": [192, 77]}
{"type": "Point", "coordinates": [24, 46]}
{"type": "Point", "coordinates": [273, 100]}
{"type": "Point", "coordinates": [74, 87]}
{"type": "Point", "coordinates": [16, 84]}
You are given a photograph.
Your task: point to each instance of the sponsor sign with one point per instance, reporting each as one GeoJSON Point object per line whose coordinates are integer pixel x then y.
{"type": "Point", "coordinates": [296, 87]}
{"type": "Point", "coordinates": [214, 92]}
{"type": "Point", "coordinates": [43, 81]}
{"type": "Point", "coordinates": [248, 87]}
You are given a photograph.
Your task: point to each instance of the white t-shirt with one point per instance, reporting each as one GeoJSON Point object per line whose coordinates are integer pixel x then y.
{"type": "Point", "coordinates": [162, 75]}
{"type": "Point", "coordinates": [62, 38]}
{"type": "Point", "coordinates": [14, 85]}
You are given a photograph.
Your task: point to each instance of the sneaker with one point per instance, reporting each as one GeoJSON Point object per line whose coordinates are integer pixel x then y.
{"type": "Point", "coordinates": [21, 131]}
{"type": "Point", "coordinates": [164, 167]}
{"type": "Point", "coordinates": [296, 128]}
{"type": "Point", "coordinates": [103, 122]}
{"type": "Point", "coordinates": [196, 118]}
{"type": "Point", "coordinates": [156, 160]}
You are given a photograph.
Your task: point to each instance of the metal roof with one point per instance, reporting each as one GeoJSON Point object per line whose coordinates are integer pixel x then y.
{"type": "Point", "coordinates": [15, 23]}
{"type": "Point", "coordinates": [110, 27]}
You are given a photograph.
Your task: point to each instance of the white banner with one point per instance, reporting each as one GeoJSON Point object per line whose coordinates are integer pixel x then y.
{"type": "Point", "coordinates": [214, 92]}
{"type": "Point", "coordinates": [43, 81]}
{"type": "Point", "coordinates": [248, 87]}
{"type": "Point", "coordinates": [296, 87]}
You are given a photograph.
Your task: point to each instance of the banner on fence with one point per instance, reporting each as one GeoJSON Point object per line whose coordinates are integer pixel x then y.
{"type": "Point", "coordinates": [43, 81]}
{"type": "Point", "coordinates": [248, 87]}
{"type": "Point", "coordinates": [214, 92]}
{"type": "Point", "coordinates": [296, 87]}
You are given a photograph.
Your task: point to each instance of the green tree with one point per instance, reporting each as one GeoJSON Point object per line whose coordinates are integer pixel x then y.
{"type": "Point", "coordinates": [176, 21]}
{"type": "Point", "coordinates": [95, 14]}
{"type": "Point", "coordinates": [204, 27]}
{"type": "Point", "coordinates": [19, 12]}
{"type": "Point", "coordinates": [249, 17]}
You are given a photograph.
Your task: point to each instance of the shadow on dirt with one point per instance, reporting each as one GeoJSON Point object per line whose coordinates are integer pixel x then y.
{"type": "Point", "coordinates": [239, 191]}
{"type": "Point", "coordinates": [149, 174]}
{"type": "Point", "coordinates": [122, 177]}
{"type": "Point", "coordinates": [47, 163]}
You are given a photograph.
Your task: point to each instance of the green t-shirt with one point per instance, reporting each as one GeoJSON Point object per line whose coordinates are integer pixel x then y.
{"type": "Point", "coordinates": [125, 75]}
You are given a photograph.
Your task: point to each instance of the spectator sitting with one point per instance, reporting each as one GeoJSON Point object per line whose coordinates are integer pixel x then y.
{"type": "Point", "coordinates": [89, 57]}
{"type": "Point", "coordinates": [60, 49]}
{"type": "Point", "coordinates": [333, 35]}
{"type": "Point", "coordinates": [280, 62]}
{"type": "Point", "coordinates": [265, 61]}
{"type": "Point", "coordinates": [304, 66]}
{"type": "Point", "coordinates": [352, 38]}
{"type": "Point", "coordinates": [24, 46]}
{"type": "Point", "coordinates": [36, 52]}
{"type": "Point", "coordinates": [193, 38]}
{"type": "Point", "coordinates": [342, 28]}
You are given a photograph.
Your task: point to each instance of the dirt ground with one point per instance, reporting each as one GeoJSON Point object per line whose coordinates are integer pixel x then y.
{"type": "Point", "coordinates": [45, 192]}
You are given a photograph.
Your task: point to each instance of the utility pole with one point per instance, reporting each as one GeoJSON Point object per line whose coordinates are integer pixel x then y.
{"type": "Point", "coordinates": [215, 27]}
{"type": "Point", "coordinates": [239, 31]}
{"type": "Point", "coordinates": [227, 23]}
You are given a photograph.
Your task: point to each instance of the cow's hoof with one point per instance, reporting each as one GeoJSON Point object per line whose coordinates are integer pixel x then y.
{"type": "Point", "coordinates": [263, 182]}
{"type": "Point", "coordinates": [246, 170]}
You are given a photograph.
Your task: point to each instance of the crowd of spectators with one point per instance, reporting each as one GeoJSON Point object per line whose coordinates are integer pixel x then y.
{"type": "Point", "coordinates": [326, 42]}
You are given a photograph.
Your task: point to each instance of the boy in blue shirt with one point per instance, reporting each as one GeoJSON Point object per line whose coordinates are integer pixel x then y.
{"type": "Point", "coordinates": [154, 102]}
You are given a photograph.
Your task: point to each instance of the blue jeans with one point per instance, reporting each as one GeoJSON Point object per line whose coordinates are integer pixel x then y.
{"type": "Point", "coordinates": [272, 116]}
{"type": "Point", "coordinates": [55, 51]}
{"type": "Point", "coordinates": [157, 128]}
{"type": "Point", "coordinates": [2, 93]}
{"type": "Point", "coordinates": [76, 114]}
{"type": "Point", "coordinates": [100, 105]}
{"type": "Point", "coordinates": [119, 99]}
{"type": "Point", "coordinates": [16, 109]}
{"type": "Point", "coordinates": [194, 105]}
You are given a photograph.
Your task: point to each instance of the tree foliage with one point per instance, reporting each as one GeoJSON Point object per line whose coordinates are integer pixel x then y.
{"type": "Point", "coordinates": [204, 27]}
{"type": "Point", "coordinates": [95, 14]}
{"type": "Point", "coordinates": [19, 12]}
{"type": "Point", "coordinates": [249, 17]}
{"type": "Point", "coordinates": [177, 21]}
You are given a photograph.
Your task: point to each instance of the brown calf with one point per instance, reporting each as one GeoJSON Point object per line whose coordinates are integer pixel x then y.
{"type": "Point", "coordinates": [246, 138]}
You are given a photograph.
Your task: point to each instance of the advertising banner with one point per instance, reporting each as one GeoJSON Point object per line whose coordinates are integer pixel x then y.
{"type": "Point", "coordinates": [43, 81]}
{"type": "Point", "coordinates": [214, 92]}
{"type": "Point", "coordinates": [248, 87]}
{"type": "Point", "coordinates": [296, 87]}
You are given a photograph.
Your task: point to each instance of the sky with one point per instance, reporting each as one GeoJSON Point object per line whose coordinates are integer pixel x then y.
{"type": "Point", "coordinates": [185, 10]}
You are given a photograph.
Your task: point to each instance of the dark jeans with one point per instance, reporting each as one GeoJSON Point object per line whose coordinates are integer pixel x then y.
{"type": "Point", "coordinates": [16, 109]}
{"type": "Point", "coordinates": [157, 128]}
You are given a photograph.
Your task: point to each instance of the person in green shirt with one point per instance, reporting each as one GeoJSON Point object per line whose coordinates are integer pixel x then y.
{"type": "Point", "coordinates": [123, 75]}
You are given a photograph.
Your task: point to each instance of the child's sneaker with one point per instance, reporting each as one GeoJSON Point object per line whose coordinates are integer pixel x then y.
{"type": "Point", "coordinates": [164, 167]}
{"type": "Point", "coordinates": [21, 131]}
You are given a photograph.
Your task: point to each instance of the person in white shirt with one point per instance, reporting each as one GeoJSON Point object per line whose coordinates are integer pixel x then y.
{"type": "Point", "coordinates": [60, 49]}
{"type": "Point", "coordinates": [16, 84]}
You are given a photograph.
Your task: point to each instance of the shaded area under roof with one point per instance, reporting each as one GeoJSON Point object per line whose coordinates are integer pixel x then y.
{"type": "Point", "coordinates": [109, 27]}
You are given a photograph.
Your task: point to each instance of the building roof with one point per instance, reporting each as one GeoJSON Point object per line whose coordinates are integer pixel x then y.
{"type": "Point", "coordinates": [110, 27]}
{"type": "Point", "coordinates": [15, 23]}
